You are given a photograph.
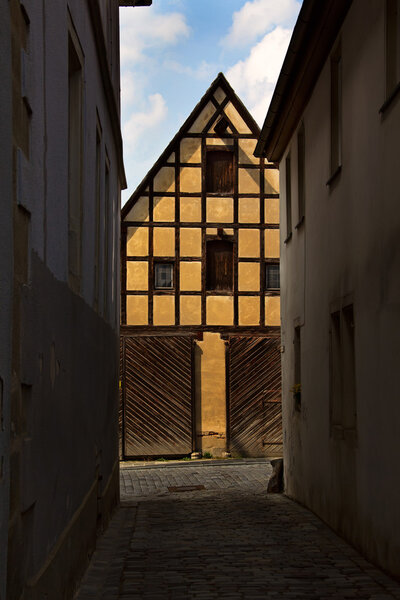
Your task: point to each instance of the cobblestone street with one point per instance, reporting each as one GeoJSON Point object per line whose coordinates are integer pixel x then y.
{"type": "Point", "coordinates": [208, 530]}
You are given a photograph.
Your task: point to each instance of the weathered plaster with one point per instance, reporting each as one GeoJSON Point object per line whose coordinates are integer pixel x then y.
{"type": "Point", "coordinates": [249, 310]}
{"type": "Point", "coordinates": [220, 210]}
{"type": "Point", "coordinates": [164, 209]}
{"type": "Point", "coordinates": [190, 276]}
{"type": "Point", "coordinates": [249, 277]}
{"type": "Point", "coordinates": [190, 310]}
{"type": "Point", "coordinates": [137, 310]}
{"type": "Point", "coordinates": [190, 242]}
{"type": "Point", "coordinates": [249, 243]}
{"type": "Point", "coordinates": [211, 394]}
{"type": "Point", "coordinates": [137, 242]}
{"type": "Point", "coordinates": [164, 241]}
{"type": "Point", "coordinates": [219, 310]}
{"type": "Point", "coordinates": [139, 211]}
{"type": "Point", "coordinates": [163, 310]}
{"type": "Point", "coordinates": [249, 210]}
{"type": "Point", "coordinates": [190, 209]}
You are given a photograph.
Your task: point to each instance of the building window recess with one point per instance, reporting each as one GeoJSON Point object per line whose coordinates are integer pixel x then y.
{"type": "Point", "coordinates": [219, 256]}
{"type": "Point", "coordinates": [164, 276]}
{"type": "Point", "coordinates": [219, 172]}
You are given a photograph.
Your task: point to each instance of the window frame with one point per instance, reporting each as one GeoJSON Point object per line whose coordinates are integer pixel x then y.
{"type": "Point", "coordinates": [269, 288]}
{"type": "Point", "coordinates": [159, 288]}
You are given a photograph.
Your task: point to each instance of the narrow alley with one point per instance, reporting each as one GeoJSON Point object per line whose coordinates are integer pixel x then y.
{"type": "Point", "coordinates": [208, 530]}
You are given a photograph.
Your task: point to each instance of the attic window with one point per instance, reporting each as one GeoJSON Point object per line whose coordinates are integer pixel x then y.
{"type": "Point", "coordinates": [219, 172]}
{"type": "Point", "coordinates": [221, 126]}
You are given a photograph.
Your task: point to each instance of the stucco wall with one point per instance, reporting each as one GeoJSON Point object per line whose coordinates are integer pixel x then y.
{"type": "Point", "coordinates": [65, 344]}
{"type": "Point", "coordinates": [347, 251]}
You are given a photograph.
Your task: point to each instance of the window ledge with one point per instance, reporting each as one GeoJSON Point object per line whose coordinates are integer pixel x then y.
{"type": "Point", "coordinates": [300, 223]}
{"type": "Point", "coordinates": [390, 99]}
{"type": "Point", "coordinates": [334, 175]}
{"type": "Point", "coordinates": [289, 237]}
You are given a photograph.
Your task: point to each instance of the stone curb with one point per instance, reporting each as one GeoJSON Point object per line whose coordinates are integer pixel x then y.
{"type": "Point", "coordinates": [194, 463]}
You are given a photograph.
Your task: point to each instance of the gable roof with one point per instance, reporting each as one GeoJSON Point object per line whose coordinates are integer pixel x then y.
{"type": "Point", "coordinates": [219, 82]}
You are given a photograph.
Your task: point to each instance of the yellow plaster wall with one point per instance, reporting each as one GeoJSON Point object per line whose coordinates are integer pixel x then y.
{"type": "Point", "coordinates": [220, 210]}
{"type": "Point", "coordinates": [190, 209]}
{"type": "Point", "coordinates": [220, 142]}
{"type": "Point", "coordinates": [235, 118]}
{"type": "Point", "coordinates": [164, 209]}
{"type": "Point", "coordinates": [249, 310]}
{"type": "Point", "coordinates": [271, 243]}
{"type": "Point", "coordinates": [190, 241]}
{"type": "Point", "coordinates": [219, 310]}
{"type": "Point", "coordinates": [249, 181]}
{"type": "Point", "coordinates": [203, 118]}
{"type": "Point", "coordinates": [190, 179]}
{"type": "Point", "coordinates": [212, 231]}
{"type": "Point", "coordinates": [191, 150]}
{"type": "Point", "coordinates": [190, 310]}
{"type": "Point", "coordinates": [190, 276]}
{"type": "Point", "coordinates": [249, 243]}
{"type": "Point", "coordinates": [137, 241]}
{"type": "Point", "coordinates": [164, 241]}
{"type": "Point", "coordinates": [136, 310]}
{"type": "Point", "coordinates": [249, 210]}
{"type": "Point", "coordinates": [219, 95]}
{"type": "Point", "coordinates": [210, 394]}
{"type": "Point", "coordinates": [271, 210]}
{"type": "Point", "coordinates": [248, 277]}
{"type": "Point", "coordinates": [271, 185]}
{"type": "Point", "coordinates": [139, 211]}
{"type": "Point", "coordinates": [171, 158]}
{"type": "Point", "coordinates": [246, 152]}
{"type": "Point", "coordinates": [273, 310]}
{"type": "Point", "coordinates": [137, 274]}
{"type": "Point", "coordinates": [163, 310]}
{"type": "Point", "coordinates": [164, 181]}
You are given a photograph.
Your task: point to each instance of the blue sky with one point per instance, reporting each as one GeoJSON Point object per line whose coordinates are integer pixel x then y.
{"type": "Point", "coordinates": [172, 51]}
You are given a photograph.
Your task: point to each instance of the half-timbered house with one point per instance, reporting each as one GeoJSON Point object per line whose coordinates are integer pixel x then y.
{"type": "Point", "coordinates": [200, 332]}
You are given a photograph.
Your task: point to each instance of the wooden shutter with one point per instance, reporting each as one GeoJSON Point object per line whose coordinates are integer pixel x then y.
{"type": "Point", "coordinates": [219, 256]}
{"type": "Point", "coordinates": [219, 171]}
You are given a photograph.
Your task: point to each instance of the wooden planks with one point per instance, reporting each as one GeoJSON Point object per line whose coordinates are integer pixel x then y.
{"type": "Point", "coordinates": [255, 414]}
{"type": "Point", "coordinates": [158, 395]}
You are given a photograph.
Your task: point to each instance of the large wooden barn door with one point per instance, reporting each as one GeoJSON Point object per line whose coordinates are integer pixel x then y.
{"type": "Point", "coordinates": [255, 411]}
{"type": "Point", "coordinates": [157, 395]}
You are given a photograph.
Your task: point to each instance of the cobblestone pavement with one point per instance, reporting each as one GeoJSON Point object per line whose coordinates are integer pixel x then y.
{"type": "Point", "coordinates": [208, 530]}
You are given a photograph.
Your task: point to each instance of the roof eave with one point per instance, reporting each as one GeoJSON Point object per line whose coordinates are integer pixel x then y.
{"type": "Point", "coordinates": [316, 29]}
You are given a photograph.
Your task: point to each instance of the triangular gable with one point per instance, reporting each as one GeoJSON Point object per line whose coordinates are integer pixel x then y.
{"type": "Point", "coordinates": [219, 102]}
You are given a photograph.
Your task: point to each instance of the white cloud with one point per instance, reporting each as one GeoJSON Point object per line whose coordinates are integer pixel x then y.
{"type": "Point", "coordinates": [204, 70]}
{"type": "Point", "coordinates": [145, 28]}
{"type": "Point", "coordinates": [257, 17]}
{"type": "Point", "coordinates": [143, 122]}
{"type": "Point", "coordinates": [255, 77]}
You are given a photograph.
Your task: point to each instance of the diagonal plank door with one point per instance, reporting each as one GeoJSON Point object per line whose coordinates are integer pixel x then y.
{"type": "Point", "coordinates": [255, 412]}
{"type": "Point", "coordinates": [158, 395]}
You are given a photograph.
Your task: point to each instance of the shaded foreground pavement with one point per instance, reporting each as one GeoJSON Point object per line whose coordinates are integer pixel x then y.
{"type": "Point", "coordinates": [208, 530]}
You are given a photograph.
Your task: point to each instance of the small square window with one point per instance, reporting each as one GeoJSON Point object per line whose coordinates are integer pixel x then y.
{"type": "Point", "coordinates": [272, 277]}
{"type": "Point", "coordinates": [164, 276]}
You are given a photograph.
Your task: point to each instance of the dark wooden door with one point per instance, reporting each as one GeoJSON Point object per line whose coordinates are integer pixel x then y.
{"type": "Point", "coordinates": [157, 396]}
{"type": "Point", "coordinates": [255, 411]}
